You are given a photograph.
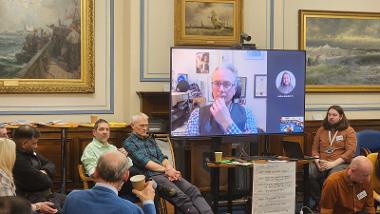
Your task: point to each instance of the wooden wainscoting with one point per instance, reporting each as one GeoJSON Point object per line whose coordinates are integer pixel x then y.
{"type": "Point", "coordinates": [49, 146]}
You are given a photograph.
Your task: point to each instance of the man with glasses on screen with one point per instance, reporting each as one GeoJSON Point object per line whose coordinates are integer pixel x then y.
{"type": "Point", "coordinates": [224, 116]}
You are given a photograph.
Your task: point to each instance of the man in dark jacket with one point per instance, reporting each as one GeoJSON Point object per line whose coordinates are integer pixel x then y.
{"type": "Point", "coordinates": [32, 172]}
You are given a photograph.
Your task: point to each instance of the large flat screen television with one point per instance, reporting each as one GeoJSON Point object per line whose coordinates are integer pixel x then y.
{"type": "Point", "coordinates": [235, 92]}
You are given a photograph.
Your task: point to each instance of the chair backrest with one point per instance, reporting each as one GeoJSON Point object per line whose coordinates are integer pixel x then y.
{"type": "Point", "coordinates": [367, 140]}
{"type": "Point", "coordinates": [163, 141]}
{"type": "Point", "coordinates": [85, 179]}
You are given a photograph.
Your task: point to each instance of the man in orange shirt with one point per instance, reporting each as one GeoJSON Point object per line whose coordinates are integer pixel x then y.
{"type": "Point", "coordinates": [349, 191]}
{"type": "Point", "coordinates": [334, 146]}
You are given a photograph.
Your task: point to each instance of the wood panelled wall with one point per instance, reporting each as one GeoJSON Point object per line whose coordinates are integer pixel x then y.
{"type": "Point", "coordinates": [49, 145]}
{"type": "Point", "coordinates": [193, 163]}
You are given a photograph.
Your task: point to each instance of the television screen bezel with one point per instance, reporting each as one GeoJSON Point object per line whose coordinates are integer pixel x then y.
{"type": "Point", "coordinates": [233, 135]}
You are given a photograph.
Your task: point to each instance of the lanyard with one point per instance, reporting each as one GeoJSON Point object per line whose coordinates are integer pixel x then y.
{"type": "Point", "coordinates": [332, 140]}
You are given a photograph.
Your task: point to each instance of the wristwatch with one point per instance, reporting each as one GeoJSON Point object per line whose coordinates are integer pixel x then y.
{"type": "Point", "coordinates": [37, 207]}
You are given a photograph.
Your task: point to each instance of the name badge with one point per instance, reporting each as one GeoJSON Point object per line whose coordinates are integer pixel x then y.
{"type": "Point", "coordinates": [339, 138]}
{"type": "Point", "coordinates": [329, 150]}
{"type": "Point", "coordinates": [361, 195]}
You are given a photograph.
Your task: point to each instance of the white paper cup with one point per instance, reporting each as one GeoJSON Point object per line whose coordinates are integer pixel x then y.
{"type": "Point", "coordinates": [138, 182]}
{"type": "Point", "coordinates": [218, 157]}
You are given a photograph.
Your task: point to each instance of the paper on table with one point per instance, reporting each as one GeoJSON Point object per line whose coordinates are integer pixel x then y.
{"type": "Point", "coordinates": [274, 188]}
{"type": "Point", "coordinates": [242, 164]}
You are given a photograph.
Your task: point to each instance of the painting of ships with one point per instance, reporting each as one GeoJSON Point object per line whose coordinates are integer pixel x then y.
{"type": "Point", "coordinates": [43, 50]}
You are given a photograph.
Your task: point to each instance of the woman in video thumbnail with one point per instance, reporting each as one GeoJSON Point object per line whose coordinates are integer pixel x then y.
{"type": "Point", "coordinates": [286, 85]}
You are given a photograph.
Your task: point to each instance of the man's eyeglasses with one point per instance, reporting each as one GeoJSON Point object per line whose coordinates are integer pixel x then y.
{"type": "Point", "coordinates": [226, 84]}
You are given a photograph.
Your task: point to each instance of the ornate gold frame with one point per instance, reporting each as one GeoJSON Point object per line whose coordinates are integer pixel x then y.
{"type": "Point", "coordinates": [304, 15]}
{"type": "Point", "coordinates": [180, 37]}
{"type": "Point", "coordinates": [86, 84]}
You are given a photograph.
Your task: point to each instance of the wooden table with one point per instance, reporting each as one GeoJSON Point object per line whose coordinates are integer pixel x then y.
{"type": "Point", "coordinates": [215, 175]}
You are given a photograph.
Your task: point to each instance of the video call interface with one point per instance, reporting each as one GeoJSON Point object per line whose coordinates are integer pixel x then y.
{"type": "Point", "coordinates": [268, 89]}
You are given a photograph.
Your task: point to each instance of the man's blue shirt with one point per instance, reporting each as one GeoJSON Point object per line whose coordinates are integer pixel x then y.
{"type": "Point", "coordinates": [192, 128]}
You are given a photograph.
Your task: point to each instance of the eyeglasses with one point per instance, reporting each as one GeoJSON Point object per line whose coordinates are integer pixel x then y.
{"type": "Point", "coordinates": [226, 84]}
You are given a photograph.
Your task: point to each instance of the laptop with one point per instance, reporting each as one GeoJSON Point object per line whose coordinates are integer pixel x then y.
{"type": "Point", "coordinates": [293, 151]}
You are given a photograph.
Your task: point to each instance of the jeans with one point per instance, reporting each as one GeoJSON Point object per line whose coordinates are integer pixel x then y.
{"type": "Point", "coordinates": [188, 198]}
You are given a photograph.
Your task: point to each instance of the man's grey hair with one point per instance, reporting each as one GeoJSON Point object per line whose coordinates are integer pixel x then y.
{"type": "Point", "coordinates": [112, 166]}
{"type": "Point", "coordinates": [227, 67]}
{"type": "Point", "coordinates": [138, 117]}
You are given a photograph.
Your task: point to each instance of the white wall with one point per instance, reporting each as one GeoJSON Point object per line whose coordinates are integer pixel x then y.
{"type": "Point", "coordinates": [279, 30]}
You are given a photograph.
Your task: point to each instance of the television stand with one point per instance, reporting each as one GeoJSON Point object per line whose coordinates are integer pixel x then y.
{"type": "Point", "coordinates": [267, 152]}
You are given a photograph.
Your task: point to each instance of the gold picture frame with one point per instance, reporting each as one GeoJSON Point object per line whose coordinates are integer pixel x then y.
{"type": "Point", "coordinates": [342, 50]}
{"type": "Point", "coordinates": [54, 67]}
{"type": "Point", "coordinates": [207, 22]}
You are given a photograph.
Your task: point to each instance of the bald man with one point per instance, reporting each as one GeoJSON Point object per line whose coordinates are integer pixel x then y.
{"type": "Point", "coordinates": [111, 172]}
{"type": "Point", "coordinates": [349, 191]}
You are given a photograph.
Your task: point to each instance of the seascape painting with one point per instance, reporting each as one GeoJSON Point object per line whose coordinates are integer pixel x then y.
{"type": "Point", "coordinates": [209, 19]}
{"type": "Point", "coordinates": [211, 22]}
{"type": "Point", "coordinates": [40, 39]}
{"type": "Point", "coordinates": [343, 50]}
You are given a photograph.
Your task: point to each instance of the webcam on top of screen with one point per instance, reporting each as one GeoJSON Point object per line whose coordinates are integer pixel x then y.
{"type": "Point", "coordinates": [244, 37]}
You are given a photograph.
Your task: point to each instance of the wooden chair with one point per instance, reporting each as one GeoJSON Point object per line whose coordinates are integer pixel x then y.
{"type": "Point", "coordinates": [163, 141]}
{"type": "Point", "coordinates": [85, 179]}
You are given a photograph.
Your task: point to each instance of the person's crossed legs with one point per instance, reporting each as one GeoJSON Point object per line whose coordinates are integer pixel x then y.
{"type": "Point", "coordinates": [187, 199]}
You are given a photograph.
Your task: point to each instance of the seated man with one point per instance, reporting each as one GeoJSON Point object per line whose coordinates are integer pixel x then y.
{"type": "Point", "coordinates": [111, 172]}
{"type": "Point", "coordinates": [148, 158]}
{"type": "Point", "coordinates": [98, 146]}
{"type": "Point", "coordinates": [333, 147]}
{"type": "Point", "coordinates": [33, 173]}
{"type": "Point", "coordinates": [349, 191]}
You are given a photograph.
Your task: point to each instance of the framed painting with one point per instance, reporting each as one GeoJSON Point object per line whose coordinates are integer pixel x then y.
{"type": "Point", "coordinates": [343, 50]}
{"type": "Point", "coordinates": [47, 47]}
{"type": "Point", "coordinates": [243, 83]}
{"type": "Point", "coordinates": [207, 22]}
{"type": "Point", "coordinates": [202, 62]}
{"type": "Point", "coordinates": [260, 86]}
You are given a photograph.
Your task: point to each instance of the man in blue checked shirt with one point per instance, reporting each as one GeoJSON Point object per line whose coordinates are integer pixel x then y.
{"type": "Point", "coordinates": [147, 157]}
{"type": "Point", "coordinates": [223, 116]}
